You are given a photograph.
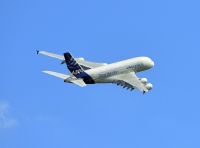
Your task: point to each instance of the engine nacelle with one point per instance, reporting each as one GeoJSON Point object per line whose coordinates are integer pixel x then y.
{"type": "Point", "coordinates": [81, 59]}
{"type": "Point", "coordinates": [148, 86]}
{"type": "Point", "coordinates": [143, 80]}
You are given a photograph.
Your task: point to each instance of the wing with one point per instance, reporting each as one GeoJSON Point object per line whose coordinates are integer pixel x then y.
{"type": "Point", "coordinates": [79, 82]}
{"type": "Point", "coordinates": [51, 54]}
{"type": "Point", "coordinates": [130, 80]}
{"type": "Point", "coordinates": [89, 65]}
{"type": "Point", "coordinates": [84, 64]}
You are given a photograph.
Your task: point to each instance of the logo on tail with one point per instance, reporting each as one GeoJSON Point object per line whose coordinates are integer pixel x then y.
{"type": "Point", "coordinates": [72, 65]}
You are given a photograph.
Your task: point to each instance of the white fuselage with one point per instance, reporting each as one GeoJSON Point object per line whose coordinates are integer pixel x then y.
{"type": "Point", "coordinates": [105, 73]}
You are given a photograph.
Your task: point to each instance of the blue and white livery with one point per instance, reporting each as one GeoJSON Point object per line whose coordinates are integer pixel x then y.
{"type": "Point", "coordinates": [121, 73]}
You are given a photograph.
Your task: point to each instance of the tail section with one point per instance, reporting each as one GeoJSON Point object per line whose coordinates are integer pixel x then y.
{"type": "Point", "coordinates": [76, 70]}
{"type": "Point", "coordinates": [72, 65]}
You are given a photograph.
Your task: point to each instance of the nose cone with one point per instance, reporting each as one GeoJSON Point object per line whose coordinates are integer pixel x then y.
{"type": "Point", "coordinates": [152, 63]}
{"type": "Point", "coordinates": [148, 62]}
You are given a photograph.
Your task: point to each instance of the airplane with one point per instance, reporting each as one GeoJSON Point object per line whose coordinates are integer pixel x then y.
{"type": "Point", "coordinates": [122, 73]}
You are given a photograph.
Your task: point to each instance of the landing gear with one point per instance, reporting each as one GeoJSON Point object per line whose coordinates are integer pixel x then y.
{"type": "Point", "coordinates": [144, 92]}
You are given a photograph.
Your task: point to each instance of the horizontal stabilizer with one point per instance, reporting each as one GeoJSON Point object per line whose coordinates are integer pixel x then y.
{"type": "Point", "coordinates": [79, 82]}
{"type": "Point", "coordinates": [60, 75]}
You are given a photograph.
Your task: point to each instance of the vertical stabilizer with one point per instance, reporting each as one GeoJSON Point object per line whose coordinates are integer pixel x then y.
{"type": "Point", "coordinates": [72, 65]}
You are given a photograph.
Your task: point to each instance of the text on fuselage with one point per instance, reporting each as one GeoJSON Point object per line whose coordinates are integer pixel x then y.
{"type": "Point", "coordinates": [108, 74]}
{"type": "Point", "coordinates": [135, 66]}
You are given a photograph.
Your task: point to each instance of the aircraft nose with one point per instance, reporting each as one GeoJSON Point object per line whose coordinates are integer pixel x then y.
{"type": "Point", "coordinates": [152, 63]}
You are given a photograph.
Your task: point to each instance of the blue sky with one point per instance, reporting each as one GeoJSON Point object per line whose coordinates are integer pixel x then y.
{"type": "Point", "coordinates": [39, 110]}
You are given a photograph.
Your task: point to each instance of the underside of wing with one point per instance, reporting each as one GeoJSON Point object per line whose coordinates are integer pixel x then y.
{"type": "Point", "coordinates": [129, 80]}
{"type": "Point", "coordinates": [84, 64]}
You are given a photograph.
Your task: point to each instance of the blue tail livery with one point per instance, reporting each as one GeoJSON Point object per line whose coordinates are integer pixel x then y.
{"type": "Point", "coordinates": [76, 69]}
{"type": "Point", "coordinates": [72, 65]}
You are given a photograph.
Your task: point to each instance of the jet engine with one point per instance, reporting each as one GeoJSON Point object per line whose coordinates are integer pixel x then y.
{"type": "Point", "coordinates": [148, 86]}
{"type": "Point", "coordinates": [81, 59]}
{"type": "Point", "coordinates": [143, 80]}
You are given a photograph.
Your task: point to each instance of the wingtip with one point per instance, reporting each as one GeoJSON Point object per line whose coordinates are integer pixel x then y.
{"type": "Point", "coordinates": [45, 71]}
{"type": "Point", "coordinates": [37, 51]}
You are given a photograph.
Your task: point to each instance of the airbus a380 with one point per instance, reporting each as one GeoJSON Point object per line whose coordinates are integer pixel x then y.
{"type": "Point", "coordinates": [121, 73]}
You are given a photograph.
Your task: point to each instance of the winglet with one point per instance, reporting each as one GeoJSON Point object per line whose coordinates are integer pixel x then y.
{"type": "Point", "coordinates": [37, 51]}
